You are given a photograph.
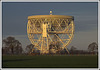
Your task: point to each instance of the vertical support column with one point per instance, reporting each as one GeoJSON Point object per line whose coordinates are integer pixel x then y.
{"type": "Point", "coordinates": [41, 45]}
{"type": "Point", "coordinates": [28, 27]}
{"type": "Point", "coordinates": [72, 22]}
{"type": "Point", "coordinates": [44, 30]}
{"type": "Point", "coordinates": [47, 45]}
{"type": "Point", "coordinates": [44, 46]}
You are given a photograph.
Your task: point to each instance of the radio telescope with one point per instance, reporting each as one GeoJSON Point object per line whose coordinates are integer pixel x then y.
{"type": "Point", "coordinates": [50, 33]}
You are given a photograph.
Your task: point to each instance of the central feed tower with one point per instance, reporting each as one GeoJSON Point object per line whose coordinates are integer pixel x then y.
{"type": "Point", "coordinates": [50, 33]}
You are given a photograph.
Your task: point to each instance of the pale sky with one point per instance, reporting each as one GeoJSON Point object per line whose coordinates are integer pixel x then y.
{"type": "Point", "coordinates": [85, 19]}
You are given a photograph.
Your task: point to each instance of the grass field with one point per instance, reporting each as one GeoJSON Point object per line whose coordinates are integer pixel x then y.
{"type": "Point", "coordinates": [72, 61]}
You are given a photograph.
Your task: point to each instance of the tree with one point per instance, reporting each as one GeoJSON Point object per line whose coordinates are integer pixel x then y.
{"type": "Point", "coordinates": [5, 50]}
{"type": "Point", "coordinates": [18, 47]}
{"type": "Point", "coordinates": [12, 45]}
{"type": "Point", "coordinates": [73, 48]}
{"type": "Point", "coordinates": [54, 47]}
{"type": "Point", "coordinates": [29, 48]}
{"type": "Point", "coordinates": [93, 47]}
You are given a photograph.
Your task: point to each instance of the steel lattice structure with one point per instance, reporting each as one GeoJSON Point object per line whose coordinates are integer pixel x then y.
{"type": "Point", "coordinates": [50, 33]}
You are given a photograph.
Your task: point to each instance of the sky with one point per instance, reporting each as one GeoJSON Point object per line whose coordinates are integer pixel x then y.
{"type": "Point", "coordinates": [15, 14]}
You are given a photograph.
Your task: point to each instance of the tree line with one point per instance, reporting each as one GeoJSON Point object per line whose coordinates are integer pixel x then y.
{"type": "Point", "coordinates": [13, 46]}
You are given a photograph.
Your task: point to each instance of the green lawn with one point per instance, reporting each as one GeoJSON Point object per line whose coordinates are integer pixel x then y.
{"type": "Point", "coordinates": [67, 61]}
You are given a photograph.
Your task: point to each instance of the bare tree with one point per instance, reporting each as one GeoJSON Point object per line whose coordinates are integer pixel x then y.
{"type": "Point", "coordinates": [93, 47]}
{"type": "Point", "coordinates": [18, 47]}
{"type": "Point", "coordinates": [73, 48]}
{"type": "Point", "coordinates": [12, 45]}
{"type": "Point", "coordinates": [5, 50]}
{"type": "Point", "coordinates": [54, 47]}
{"type": "Point", "coordinates": [29, 48]}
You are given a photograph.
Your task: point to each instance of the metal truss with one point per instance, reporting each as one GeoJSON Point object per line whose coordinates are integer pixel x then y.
{"type": "Point", "coordinates": [50, 32]}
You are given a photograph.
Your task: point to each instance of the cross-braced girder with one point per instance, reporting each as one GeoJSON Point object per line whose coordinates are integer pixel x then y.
{"type": "Point", "coordinates": [49, 32]}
